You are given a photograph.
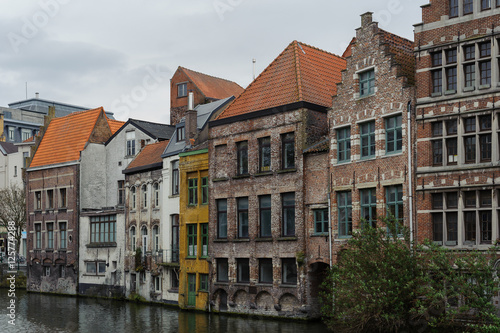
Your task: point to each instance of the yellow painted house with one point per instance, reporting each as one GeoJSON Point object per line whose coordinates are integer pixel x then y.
{"type": "Point", "coordinates": [193, 230]}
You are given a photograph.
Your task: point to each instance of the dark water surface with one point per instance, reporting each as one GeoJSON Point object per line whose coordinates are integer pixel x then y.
{"type": "Point", "coordinates": [47, 313]}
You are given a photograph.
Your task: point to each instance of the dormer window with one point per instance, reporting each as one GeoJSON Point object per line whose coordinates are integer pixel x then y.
{"type": "Point", "coordinates": [130, 143]}
{"type": "Point", "coordinates": [180, 134]}
{"type": "Point", "coordinates": [182, 90]}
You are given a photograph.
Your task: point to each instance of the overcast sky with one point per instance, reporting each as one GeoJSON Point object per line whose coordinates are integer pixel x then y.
{"type": "Point", "coordinates": [121, 54]}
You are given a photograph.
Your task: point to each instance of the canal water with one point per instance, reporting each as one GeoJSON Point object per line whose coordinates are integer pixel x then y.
{"type": "Point", "coordinates": [49, 313]}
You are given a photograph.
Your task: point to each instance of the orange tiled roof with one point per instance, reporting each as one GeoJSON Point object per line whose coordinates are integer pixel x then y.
{"type": "Point", "coordinates": [348, 50]}
{"type": "Point", "coordinates": [213, 87]}
{"type": "Point", "coordinates": [66, 137]}
{"type": "Point", "coordinates": [301, 73]}
{"type": "Point", "coordinates": [402, 52]}
{"type": "Point", "coordinates": [150, 154]}
{"type": "Point", "coordinates": [115, 125]}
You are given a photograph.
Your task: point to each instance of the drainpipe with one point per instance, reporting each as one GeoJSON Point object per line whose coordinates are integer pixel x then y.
{"type": "Point", "coordinates": [410, 171]}
{"type": "Point", "coordinates": [330, 216]}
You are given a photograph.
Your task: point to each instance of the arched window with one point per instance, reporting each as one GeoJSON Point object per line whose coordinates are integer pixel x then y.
{"type": "Point", "coordinates": [156, 238]}
{"type": "Point", "coordinates": [132, 197]}
{"type": "Point", "coordinates": [156, 187]}
{"type": "Point", "coordinates": [144, 234]}
{"type": "Point", "coordinates": [144, 196]}
{"type": "Point", "coordinates": [132, 238]}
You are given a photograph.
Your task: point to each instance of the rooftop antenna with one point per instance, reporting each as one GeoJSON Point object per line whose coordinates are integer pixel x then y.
{"type": "Point", "coordinates": [254, 61]}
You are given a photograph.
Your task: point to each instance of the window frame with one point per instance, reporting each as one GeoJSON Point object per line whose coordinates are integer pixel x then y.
{"type": "Point", "coordinates": [204, 240]}
{"type": "Point", "coordinates": [265, 154]}
{"type": "Point", "coordinates": [288, 151]}
{"type": "Point", "coordinates": [182, 89]}
{"type": "Point", "coordinates": [243, 270]}
{"type": "Point", "coordinates": [50, 235]}
{"type": "Point", "coordinates": [221, 218]}
{"type": "Point", "coordinates": [369, 206]}
{"type": "Point", "coordinates": [63, 240]}
{"type": "Point", "coordinates": [204, 190]}
{"type": "Point", "coordinates": [130, 147]}
{"type": "Point", "coordinates": [397, 204]}
{"type": "Point", "coordinates": [397, 132]}
{"type": "Point", "coordinates": [367, 83]}
{"type": "Point", "coordinates": [102, 229]}
{"type": "Point", "coordinates": [468, 7]}
{"type": "Point", "coordinates": [38, 236]}
{"type": "Point", "coordinates": [367, 132]}
{"type": "Point", "coordinates": [321, 221]}
{"type": "Point", "coordinates": [453, 8]}
{"type": "Point", "coordinates": [344, 144]}
{"type": "Point", "coordinates": [222, 267]}
{"type": "Point", "coordinates": [286, 265]}
{"type": "Point", "coordinates": [288, 226]}
{"type": "Point", "coordinates": [344, 208]}
{"type": "Point", "coordinates": [242, 217]}
{"type": "Point", "coordinates": [175, 177]}
{"type": "Point", "coordinates": [265, 227]}
{"type": "Point", "coordinates": [193, 191]}
{"type": "Point", "coordinates": [242, 158]}
{"type": "Point", "coordinates": [192, 240]}
{"type": "Point", "coordinates": [266, 267]}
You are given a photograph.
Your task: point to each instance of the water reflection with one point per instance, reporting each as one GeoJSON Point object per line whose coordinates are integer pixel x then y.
{"type": "Point", "coordinates": [48, 313]}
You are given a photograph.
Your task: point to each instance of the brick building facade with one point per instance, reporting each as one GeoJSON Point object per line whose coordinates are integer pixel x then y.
{"type": "Point", "coordinates": [260, 259]}
{"type": "Point", "coordinates": [369, 132]}
{"type": "Point", "coordinates": [457, 124]}
{"type": "Point", "coordinates": [52, 199]}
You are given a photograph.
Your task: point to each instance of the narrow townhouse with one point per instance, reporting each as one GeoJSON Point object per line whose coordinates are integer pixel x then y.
{"type": "Point", "coordinates": [171, 207]}
{"type": "Point", "coordinates": [103, 250]}
{"type": "Point", "coordinates": [260, 212]}
{"type": "Point", "coordinates": [370, 132]}
{"type": "Point", "coordinates": [457, 124]}
{"type": "Point", "coordinates": [144, 181]}
{"type": "Point", "coordinates": [52, 199]}
{"type": "Point", "coordinates": [205, 88]}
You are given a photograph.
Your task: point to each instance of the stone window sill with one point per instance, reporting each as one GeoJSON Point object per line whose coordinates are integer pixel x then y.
{"type": "Point", "coordinates": [484, 86]}
{"type": "Point", "coordinates": [97, 245]}
{"type": "Point", "coordinates": [221, 240]}
{"type": "Point", "coordinates": [241, 176]}
{"type": "Point", "coordinates": [450, 92]}
{"type": "Point", "coordinates": [287, 170]}
{"type": "Point", "coordinates": [223, 179]}
{"type": "Point", "coordinates": [241, 240]}
{"type": "Point", "coordinates": [436, 94]}
{"type": "Point", "coordinates": [266, 173]}
{"type": "Point", "coordinates": [284, 239]}
{"type": "Point", "coordinates": [264, 239]}
{"type": "Point", "coordinates": [288, 285]}
{"type": "Point", "coordinates": [467, 89]}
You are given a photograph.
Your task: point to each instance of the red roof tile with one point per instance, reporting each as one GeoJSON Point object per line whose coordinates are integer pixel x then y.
{"type": "Point", "coordinates": [402, 52]}
{"type": "Point", "coordinates": [66, 137]}
{"type": "Point", "coordinates": [115, 125]}
{"type": "Point", "coordinates": [150, 154]}
{"type": "Point", "coordinates": [300, 73]}
{"type": "Point", "coordinates": [213, 87]}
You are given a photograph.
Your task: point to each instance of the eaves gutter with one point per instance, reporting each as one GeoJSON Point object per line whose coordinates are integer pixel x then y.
{"type": "Point", "coordinates": [148, 167]}
{"type": "Point", "coordinates": [52, 166]}
{"type": "Point", "coordinates": [268, 112]}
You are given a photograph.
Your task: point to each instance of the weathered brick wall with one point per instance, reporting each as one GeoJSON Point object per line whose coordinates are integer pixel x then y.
{"type": "Point", "coordinates": [178, 105]}
{"type": "Point", "coordinates": [56, 259]}
{"type": "Point", "coordinates": [225, 184]}
{"type": "Point", "coordinates": [390, 98]}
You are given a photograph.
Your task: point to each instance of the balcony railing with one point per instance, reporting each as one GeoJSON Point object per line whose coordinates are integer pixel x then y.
{"type": "Point", "coordinates": [170, 256]}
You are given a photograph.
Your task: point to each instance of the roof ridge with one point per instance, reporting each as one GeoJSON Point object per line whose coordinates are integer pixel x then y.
{"type": "Point", "coordinates": [212, 76]}
{"type": "Point", "coordinates": [298, 74]}
{"type": "Point", "coordinates": [149, 122]}
{"type": "Point", "coordinates": [80, 112]}
{"type": "Point", "coordinates": [318, 49]}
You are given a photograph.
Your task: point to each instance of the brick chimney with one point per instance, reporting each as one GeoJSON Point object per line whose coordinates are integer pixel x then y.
{"type": "Point", "coordinates": [366, 19]}
{"type": "Point", "coordinates": [191, 125]}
